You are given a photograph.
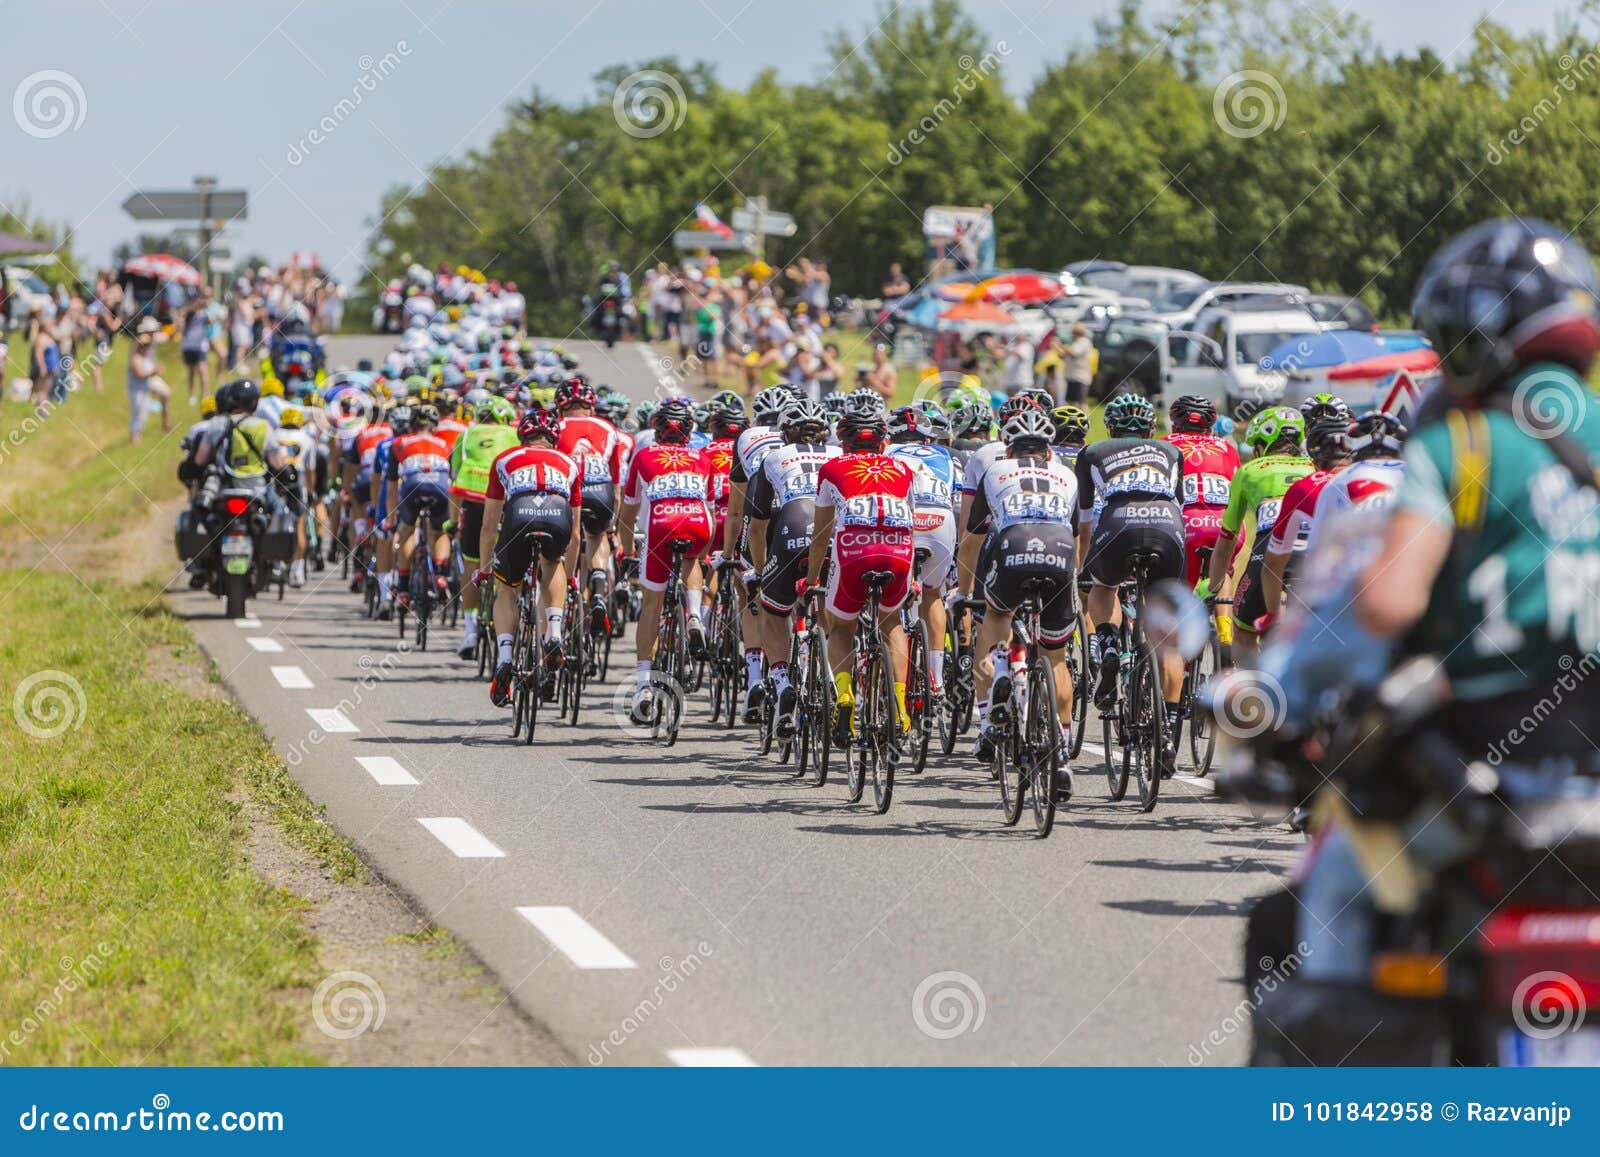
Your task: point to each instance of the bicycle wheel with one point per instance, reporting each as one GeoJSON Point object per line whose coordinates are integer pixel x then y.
{"type": "Point", "coordinates": [1146, 715]}
{"type": "Point", "coordinates": [883, 732]}
{"type": "Point", "coordinates": [919, 697]}
{"type": "Point", "coordinates": [1113, 734]}
{"type": "Point", "coordinates": [1203, 728]}
{"type": "Point", "coordinates": [817, 708]}
{"type": "Point", "coordinates": [530, 659]}
{"type": "Point", "coordinates": [1078, 663]}
{"type": "Point", "coordinates": [575, 664]}
{"type": "Point", "coordinates": [855, 752]}
{"type": "Point", "coordinates": [673, 651]}
{"type": "Point", "coordinates": [1042, 741]}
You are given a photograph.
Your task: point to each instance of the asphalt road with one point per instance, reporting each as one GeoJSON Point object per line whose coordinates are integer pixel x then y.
{"type": "Point", "coordinates": [696, 905]}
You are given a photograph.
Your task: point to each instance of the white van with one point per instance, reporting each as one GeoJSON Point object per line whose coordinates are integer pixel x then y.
{"type": "Point", "coordinates": [1220, 357]}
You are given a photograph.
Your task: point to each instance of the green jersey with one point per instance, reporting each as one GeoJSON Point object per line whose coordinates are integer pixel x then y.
{"type": "Point", "coordinates": [1257, 492]}
{"type": "Point", "coordinates": [1516, 600]}
{"type": "Point", "coordinates": [472, 455]}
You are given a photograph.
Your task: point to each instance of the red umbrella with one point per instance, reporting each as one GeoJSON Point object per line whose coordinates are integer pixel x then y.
{"type": "Point", "coordinates": [1412, 361]}
{"type": "Point", "coordinates": [1022, 288]}
{"type": "Point", "coordinates": [162, 267]}
{"type": "Point", "coordinates": [977, 313]}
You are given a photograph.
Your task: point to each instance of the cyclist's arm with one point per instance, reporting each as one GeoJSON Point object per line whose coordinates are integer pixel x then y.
{"type": "Point", "coordinates": [967, 554]}
{"type": "Point", "coordinates": [1272, 580]}
{"type": "Point", "coordinates": [735, 520]}
{"type": "Point", "coordinates": [822, 538]}
{"type": "Point", "coordinates": [491, 531]}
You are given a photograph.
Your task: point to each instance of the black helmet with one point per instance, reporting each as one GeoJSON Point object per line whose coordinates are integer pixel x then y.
{"type": "Point", "coordinates": [1193, 413]}
{"type": "Point", "coordinates": [1504, 294]}
{"type": "Point", "coordinates": [1377, 435]}
{"type": "Point", "coordinates": [240, 396]}
{"type": "Point", "coordinates": [859, 432]}
{"type": "Point", "coordinates": [727, 418]}
{"type": "Point", "coordinates": [1326, 438]}
{"type": "Point", "coordinates": [673, 421]}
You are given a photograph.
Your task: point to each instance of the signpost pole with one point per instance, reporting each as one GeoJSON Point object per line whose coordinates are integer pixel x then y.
{"type": "Point", "coordinates": [205, 185]}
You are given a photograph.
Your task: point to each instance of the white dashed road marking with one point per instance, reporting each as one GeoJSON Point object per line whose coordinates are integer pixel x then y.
{"type": "Point", "coordinates": [250, 623]}
{"type": "Point", "coordinates": [292, 678]}
{"type": "Point", "coordinates": [710, 1058]}
{"type": "Point", "coordinates": [331, 720]}
{"type": "Point", "coordinates": [461, 838]}
{"type": "Point", "coordinates": [386, 770]}
{"type": "Point", "coordinates": [265, 644]}
{"type": "Point", "coordinates": [576, 938]}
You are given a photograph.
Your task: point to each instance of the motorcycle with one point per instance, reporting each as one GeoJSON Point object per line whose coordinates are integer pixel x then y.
{"type": "Point", "coordinates": [1490, 958]}
{"type": "Point", "coordinates": [608, 317]}
{"type": "Point", "coordinates": [242, 546]}
{"type": "Point", "coordinates": [388, 314]}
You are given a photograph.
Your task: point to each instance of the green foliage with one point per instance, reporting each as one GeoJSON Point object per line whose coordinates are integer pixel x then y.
{"type": "Point", "coordinates": [1363, 163]}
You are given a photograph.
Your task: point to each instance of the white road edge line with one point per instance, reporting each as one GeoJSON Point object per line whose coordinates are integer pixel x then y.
{"type": "Point", "coordinates": [332, 720]}
{"type": "Point", "coordinates": [265, 644]}
{"type": "Point", "coordinates": [466, 841]}
{"type": "Point", "coordinates": [710, 1058]}
{"type": "Point", "coordinates": [577, 939]}
{"type": "Point", "coordinates": [386, 770]}
{"type": "Point", "coordinates": [292, 679]}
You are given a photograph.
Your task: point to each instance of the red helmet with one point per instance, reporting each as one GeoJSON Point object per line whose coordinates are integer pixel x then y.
{"type": "Point", "coordinates": [537, 423]}
{"type": "Point", "coordinates": [575, 392]}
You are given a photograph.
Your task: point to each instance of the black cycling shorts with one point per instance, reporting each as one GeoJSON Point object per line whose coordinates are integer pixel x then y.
{"type": "Point", "coordinates": [415, 499]}
{"type": "Point", "coordinates": [1019, 555]}
{"type": "Point", "coordinates": [1153, 525]}
{"type": "Point", "coordinates": [471, 528]}
{"type": "Point", "coordinates": [520, 521]}
{"type": "Point", "coordinates": [1250, 597]}
{"type": "Point", "coordinates": [788, 551]}
{"type": "Point", "coordinates": [599, 507]}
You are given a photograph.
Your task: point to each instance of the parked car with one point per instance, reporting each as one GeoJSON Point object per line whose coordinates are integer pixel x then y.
{"type": "Point", "coordinates": [1224, 363]}
{"type": "Point", "coordinates": [1182, 308]}
{"type": "Point", "coordinates": [24, 290]}
{"type": "Point", "coordinates": [1336, 311]}
{"type": "Point", "coordinates": [1133, 349]}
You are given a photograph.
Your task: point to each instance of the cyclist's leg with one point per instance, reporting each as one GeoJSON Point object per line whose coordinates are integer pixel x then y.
{"type": "Point", "coordinates": [470, 521]}
{"type": "Point", "coordinates": [935, 573]}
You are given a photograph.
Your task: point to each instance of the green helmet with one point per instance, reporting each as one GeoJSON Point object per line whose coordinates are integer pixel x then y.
{"type": "Point", "coordinates": [1270, 427]}
{"type": "Point", "coordinates": [416, 384]}
{"type": "Point", "coordinates": [496, 410]}
{"type": "Point", "coordinates": [970, 418]}
{"type": "Point", "coordinates": [1130, 412]}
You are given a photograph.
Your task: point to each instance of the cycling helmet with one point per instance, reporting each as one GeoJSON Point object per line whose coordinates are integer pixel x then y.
{"type": "Point", "coordinates": [1192, 414]}
{"type": "Point", "coordinates": [803, 420]}
{"type": "Point", "coordinates": [702, 415]}
{"type": "Point", "coordinates": [208, 406]}
{"type": "Point", "coordinates": [770, 404]}
{"type": "Point", "coordinates": [416, 385]}
{"type": "Point", "coordinates": [1504, 294]}
{"type": "Point", "coordinates": [292, 418]}
{"type": "Point", "coordinates": [645, 412]}
{"type": "Point", "coordinates": [673, 421]}
{"type": "Point", "coordinates": [1038, 397]}
{"type": "Point", "coordinates": [726, 399]}
{"type": "Point", "coordinates": [1028, 426]}
{"type": "Point", "coordinates": [272, 388]}
{"type": "Point", "coordinates": [1071, 425]}
{"type": "Point", "coordinates": [865, 403]}
{"type": "Point", "coordinates": [576, 391]}
{"type": "Point", "coordinates": [475, 398]}
{"type": "Point", "coordinates": [1324, 405]}
{"type": "Point", "coordinates": [1376, 435]}
{"type": "Point", "coordinates": [539, 424]}
{"type": "Point", "coordinates": [1130, 414]}
{"type": "Point", "coordinates": [970, 418]}
{"type": "Point", "coordinates": [425, 415]}
{"type": "Point", "coordinates": [364, 365]}
{"type": "Point", "coordinates": [917, 424]}
{"type": "Point", "coordinates": [833, 402]}
{"type": "Point", "coordinates": [860, 433]}
{"type": "Point", "coordinates": [504, 412]}
{"type": "Point", "coordinates": [1326, 439]}
{"type": "Point", "coordinates": [1272, 426]}
{"type": "Point", "coordinates": [399, 420]}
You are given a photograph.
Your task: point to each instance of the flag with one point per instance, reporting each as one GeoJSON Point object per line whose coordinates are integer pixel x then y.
{"type": "Point", "coordinates": [709, 220]}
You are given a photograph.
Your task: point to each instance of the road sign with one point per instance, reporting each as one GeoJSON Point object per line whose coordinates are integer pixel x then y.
{"type": "Point", "coordinates": [186, 204]}
{"type": "Point", "coordinates": [705, 239]}
{"type": "Point", "coordinates": [772, 224]}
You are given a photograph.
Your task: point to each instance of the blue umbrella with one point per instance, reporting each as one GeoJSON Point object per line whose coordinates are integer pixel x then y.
{"type": "Point", "coordinates": [1318, 350]}
{"type": "Point", "coordinates": [1398, 341]}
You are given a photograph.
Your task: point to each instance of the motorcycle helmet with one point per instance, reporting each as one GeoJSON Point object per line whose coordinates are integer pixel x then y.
{"type": "Point", "coordinates": [240, 396]}
{"type": "Point", "coordinates": [1130, 415]}
{"type": "Point", "coordinates": [1274, 426]}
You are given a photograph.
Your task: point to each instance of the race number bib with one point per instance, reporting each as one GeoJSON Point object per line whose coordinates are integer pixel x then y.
{"type": "Point", "coordinates": [875, 510]}
{"type": "Point", "coordinates": [685, 484]}
{"type": "Point", "coordinates": [1205, 490]}
{"type": "Point", "coordinates": [1042, 507]}
{"type": "Point", "coordinates": [1267, 515]}
{"type": "Point", "coordinates": [1140, 480]}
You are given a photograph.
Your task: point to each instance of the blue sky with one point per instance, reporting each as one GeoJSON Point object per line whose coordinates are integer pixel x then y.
{"type": "Point", "coordinates": [174, 88]}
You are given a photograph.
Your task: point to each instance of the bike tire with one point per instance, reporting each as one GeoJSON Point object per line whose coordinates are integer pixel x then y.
{"type": "Point", "coordinates": [235, 594]}
{"type": "Point", "coordinates": [1147, 716]}
{"type": "Point", "coordinates": [1042, 733]}
{"type": "Point", "coordinates": [1112, 730]}
{"type": "Point", "coordinates": [1078, 657]}
{"type": "Point", "coordinates": [1203, 728]}
{"type": "Point", "coordinates": [919, 694]}
{"type": "Point", "coordinates": [817, 703]}
{"type": "Point", "coordinates": [883, 733]}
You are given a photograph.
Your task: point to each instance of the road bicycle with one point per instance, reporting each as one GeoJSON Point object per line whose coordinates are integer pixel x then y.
{"type": "Point", "coordinates": [427, 579]}
{"type": "Point", "coordinates": [1028, 752]}
{"type": "Point", "coordinates": [961, 681]}
{"type": "Point", "coordinates": [874, 746]}
{"type": "Point", "coordinates": [1133, 728]}
{"type": "Point", "coordinates": [1215, 658]}
{"type": "Point", "coordinates": [725, 641]}
{"type": "Point", "coordinates": [814, 689]}
{"type": "Point", "coordinates": [920, 705]}
{"type": "Point", "coordinates": [485, 650]}
{"type": "Point", "coordinates": [671, 664]}
{"type": "Point", "coordinates": [527, 648]}
{"type": "Point", "coordinates": [577, 654]}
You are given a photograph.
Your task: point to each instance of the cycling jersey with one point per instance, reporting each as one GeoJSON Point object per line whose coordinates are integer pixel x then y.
{"type": "Point", "coordinates": [783, 495]}
{"type": "Point", "coordinates": [1258, 491]}
{"type": "Point", "coordinates": [750, 448]}
{"type": "Point", "coordinates": [299, 451]}
{"type": "Point", "coordinates": [541, 490]}
{"type": "Point", "coordinates": [1209, 464]}
{"type": "Point", "coordinates": [720, 455]}
{"type": "Point", "coordinates": [935, 498]}
{"type": "Point", "coordinates": [1128, 493]}
{"type": "Point", "coordinates": [364, 448]}
{"type": "Point", "coordinates": [420, 463]}
{"type": "Point", "coordinates": [472, 458]}
{"type": "Point", "coordinates": [1025, 490]}
{"type": "Point", "coordinates": [1031, 506]}
{"type": "Point", "coordinates": [597, 447]}
{"type": "Point", "coordinates": [1293, 523]}
{"type": "Point", "coordinates": [671, 485]}
{"type": "Point", "coordinates": [871, 497]}
{"type": "Point", "coordinates": [977, 462]}
{"type": "Point", "coordinates": [1369, 484]}
{"type": "Point", "coordinates": [450, 430]}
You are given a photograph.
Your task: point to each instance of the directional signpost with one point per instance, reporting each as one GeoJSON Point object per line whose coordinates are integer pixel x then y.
{"type": "Point", "coordinates": [760, 223]}
{"type": "Point", "coordinates": [210, 206]}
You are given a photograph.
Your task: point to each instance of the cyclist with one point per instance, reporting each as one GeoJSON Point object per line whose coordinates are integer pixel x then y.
{"type": "Point", "coordinates": [725, 423]}
{"type": "Point", "coordinates": [471, 460]}
{"type": "Point", "coordinates": [1277, 435]}
{"type": "Point", "coordinates": [533, 488]}
{"type": "Point", "coordinates": [781, 505]}
{"type": "Point", "coordinates": [296, 477]}
{"type": "Point", "coordinates": [917, 436]}
{"type": "Point", "coordinates": [971, 424]}
{"type": "Point", "coordinates": [1128, 487]}
{"type": "Point", "coordinates": [1209, 464]}
{"type": "Point", "coordinates": [419, 481]}
{"type": "Point", "coordinates": [594, 444]}
{"type": "Point", "coordinates": [750, 449]}
{"type": "Point", "coordinates": [864, 523]}
{"type": "Point", "coordinates": [1329, 451]}
{"type": "Point", "coordinates": [1377, 443]}
{"type": "Point", "coordinates": [361, 452]}
{"type": "Point", "coordinates": [1071, 433]}
{"type": "Point", "coordinates": [670, 482]}
{"type": "Point", "coordinates": [1030, 499]}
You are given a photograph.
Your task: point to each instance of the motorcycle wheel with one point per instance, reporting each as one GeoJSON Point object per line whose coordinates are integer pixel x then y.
{"type": "Point", "coordinates": [235, 589]}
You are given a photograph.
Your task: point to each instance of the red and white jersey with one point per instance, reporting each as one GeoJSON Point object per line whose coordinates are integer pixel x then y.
{"type": "Point", "coordinates": [627, 451]}
{"type": "Point", "coordinates": [1365, 485]}
{"type": "Point", "coordinates": [720, 455]}
{"type": "Point", "coordinates": [449, 429]}
{"type": "Point", "coordinates": [365, 447]}
{"type": "Point", "coordinates": [420, 459]}
{"type": "Point", "coordinates": [867, 492]}
{"type": "Point", "coordinates": [596, 445]}
{"type": "Point", "coordinates": [1290, 531]}
{"type": "Point", "coordinates": [751, 448]}
{"type": "Point", "coordinates": [1209, 464]}
{"type": "Point", "coordinates": [524, 470]}
{"type": "Point", "coordinates": [663, 476]}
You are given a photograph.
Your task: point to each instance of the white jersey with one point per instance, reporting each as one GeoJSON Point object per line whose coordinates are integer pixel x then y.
{"type": "Point", "coordinates": [1021, 490]}
{"type": "Point", "coordinates": [299, 448]}
{"type": "Point", "coordinates": [1369, 485]}
{"type": "Point", "coordinates": [418, 305]}
{"type": "Point", "coordinates": [978, 463]}
{"type": "Point", "coordinates": [750, 448]}
{"type": "Point", "coordinates": [788, 474]}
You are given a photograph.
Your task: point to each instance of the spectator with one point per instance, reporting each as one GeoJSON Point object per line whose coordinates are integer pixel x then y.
{"type": "Point", "coordinates": [144, 381]}
{"type": "Point", "coordinates": [241, 328]}
{"type": "Point", "coordinates": [192, 344]}
{"type": "Point", "coordinates": [1016, 371]}
{"type": "Point", "coordinates": [44, 356]}
{"type": "Point", "coordinates": [1078, 361]}
{"type": "Point", "coordinates": [895, 286]}
{"type": "Point", "coordinates": [883, 377]}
